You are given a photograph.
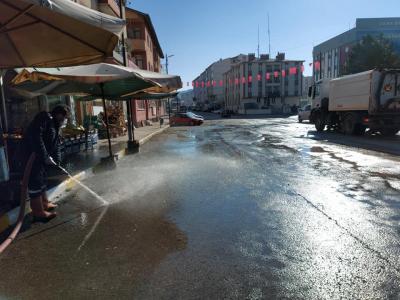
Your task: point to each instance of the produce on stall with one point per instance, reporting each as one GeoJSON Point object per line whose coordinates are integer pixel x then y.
{"type": "Point", "coordinates": [116, 120]}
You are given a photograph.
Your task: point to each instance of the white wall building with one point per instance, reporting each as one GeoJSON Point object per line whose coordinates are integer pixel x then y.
{"type": "Point", "coordinates": [263, 85]}
{"type": "Point", "coordinates": [307, 82]}
{"type": "Point", "coordinates": [208, 87]}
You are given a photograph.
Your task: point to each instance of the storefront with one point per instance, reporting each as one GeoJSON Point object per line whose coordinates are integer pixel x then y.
{"type": "Point", "coordinates": [19, 111]}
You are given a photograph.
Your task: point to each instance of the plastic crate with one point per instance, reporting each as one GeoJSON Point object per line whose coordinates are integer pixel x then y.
{"type": "Point", "coordinates": [95, 138]}
{"type": "Point", "coordinates": [76, 145]}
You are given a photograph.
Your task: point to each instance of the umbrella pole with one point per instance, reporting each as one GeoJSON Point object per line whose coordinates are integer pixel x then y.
{"type": "Point", "coordinates": [106, 119]}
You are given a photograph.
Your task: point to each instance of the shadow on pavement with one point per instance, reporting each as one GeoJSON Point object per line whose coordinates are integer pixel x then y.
{"type": "Point", "coordinates": [389, 145]}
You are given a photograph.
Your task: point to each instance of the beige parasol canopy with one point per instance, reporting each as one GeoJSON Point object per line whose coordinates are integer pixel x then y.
{"type": "Point", "coordinates": [118, 81]}
{"type": "Point", "coordinates": [54, 33]}
{"type": "Point", "coordinates": [166, 83]}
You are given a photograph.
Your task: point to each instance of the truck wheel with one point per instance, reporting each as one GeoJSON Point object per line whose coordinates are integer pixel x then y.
{"type": "Point", "coordinates": [389, 131]}
{"type": "Point", "coordinates": [300, 120]}
{"type": "Point", "coordinates": [360, 129]}
{"type": "Point", "coordinates": [349, 124]}
{"type": "Point", "coordinates": [319, 122]}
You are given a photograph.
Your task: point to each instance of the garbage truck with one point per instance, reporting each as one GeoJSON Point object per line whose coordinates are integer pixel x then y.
{"type": "Point", "coordinates": [353, 103]}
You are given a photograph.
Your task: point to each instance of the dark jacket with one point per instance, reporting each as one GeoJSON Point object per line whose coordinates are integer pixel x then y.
{"type": "Point", "coordinates": [42, 137]}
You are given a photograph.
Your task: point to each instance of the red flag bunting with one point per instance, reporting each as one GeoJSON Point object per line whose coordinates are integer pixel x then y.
{"type": "Point", "coordinates": [250, 78]}
{"type": "Point", "coordinates": [293, 71]}
{"type": "Point", "coordinates": [267, 76]}
{"type": "Point", "coordinates": [221, 83]}
{"type": "Point", "coordinates": [259, 77]}
{"type": "Point", "coordinates": [276, 74]}
{"type": "Point", "coordinates": [283, 73]}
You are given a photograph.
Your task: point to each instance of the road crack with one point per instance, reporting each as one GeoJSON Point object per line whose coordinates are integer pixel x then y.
{"type": "Point", "coordinates": [364, 244]}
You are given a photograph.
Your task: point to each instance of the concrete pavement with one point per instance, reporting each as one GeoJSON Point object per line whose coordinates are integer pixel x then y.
{"type": "Point", "coordinates": [80, 166]}
{"type": "Point", "coordinates": [234, 209]}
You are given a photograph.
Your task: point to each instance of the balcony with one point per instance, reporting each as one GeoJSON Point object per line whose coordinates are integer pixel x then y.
{"type": "Point", "coordinates": [110, 7]}
{"type": "Point", "coordinates": [138, 44]}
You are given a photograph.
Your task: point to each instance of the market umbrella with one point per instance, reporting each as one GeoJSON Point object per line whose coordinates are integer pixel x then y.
{"type": "Point", "coordinates": [166, 83]}
{"type": "Point", "coordinates": [98, 80]}
{"type": "Point", "coordinates": [137, 96]}
{"type": "Point", "coordinates": [54, 33]}
{"type": "Point", "coordinates": [81, 80]}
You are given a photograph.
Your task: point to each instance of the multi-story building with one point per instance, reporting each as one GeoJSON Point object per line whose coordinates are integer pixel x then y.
{"type": "Point", "coordinates": [263, 85]}
{"type": "Point", "coordinates": [307, 82]}
{"type": "Point", "coordinates": [112, 8]}
{"type": "Point", "coordinates": [330, 57]}
{"type": "Point", "coordinates": [186, 98]}
{"type": "Point", "coordinates": [82, 109]}
{"type": "Point", "coordinates": [145, 51]}
{"type": "Point", "coordinates": [208, 86]}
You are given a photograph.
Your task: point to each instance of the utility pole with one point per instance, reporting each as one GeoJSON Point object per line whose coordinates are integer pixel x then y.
{"type": "Point", "coordinates": [269, 39]}
{"type": "Point", "coordinates": [258, 42]}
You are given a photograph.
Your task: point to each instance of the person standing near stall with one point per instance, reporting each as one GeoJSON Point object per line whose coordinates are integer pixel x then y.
{"type": "Point", "coordinates": [42, 138]}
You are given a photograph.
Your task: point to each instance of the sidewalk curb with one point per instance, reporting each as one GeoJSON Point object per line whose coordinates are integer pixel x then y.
{"type": "Point", "coordinates": [10, 217]}
{"type": "Point", "coordinates": [151, 135]}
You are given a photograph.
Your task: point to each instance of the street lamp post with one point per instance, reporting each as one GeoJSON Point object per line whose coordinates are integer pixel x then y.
{"type": "Point", "coordinates": [166, 69]}
{"type": "Point", "coordinates": [166, 61]}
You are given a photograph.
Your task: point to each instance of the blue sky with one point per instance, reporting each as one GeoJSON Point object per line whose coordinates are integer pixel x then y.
{"type": "Point", "coordinates": [200, 32]}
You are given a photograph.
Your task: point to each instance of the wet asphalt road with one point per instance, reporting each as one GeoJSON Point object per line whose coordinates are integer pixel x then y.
{"type": "Point", "coordinates": [234, 209]}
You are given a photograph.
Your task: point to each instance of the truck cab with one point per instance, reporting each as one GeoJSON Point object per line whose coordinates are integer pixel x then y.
{"type": "Point", "coordinates": [316, 92]}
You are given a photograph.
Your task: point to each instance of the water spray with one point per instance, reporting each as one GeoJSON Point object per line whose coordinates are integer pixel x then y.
{"type": "Point", "coordinates": [93, 193]}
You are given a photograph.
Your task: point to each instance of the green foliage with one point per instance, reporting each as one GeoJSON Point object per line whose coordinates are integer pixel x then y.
{"type": "Point", "coordinates": [370, 53]}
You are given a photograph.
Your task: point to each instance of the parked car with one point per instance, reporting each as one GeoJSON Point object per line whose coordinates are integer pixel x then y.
{"type": "Point", "coordinates": [194, 115]}
{"type": "Point", "coordinates": [186, 119]}
{"type": "Point", "coordinates": [304, 113]}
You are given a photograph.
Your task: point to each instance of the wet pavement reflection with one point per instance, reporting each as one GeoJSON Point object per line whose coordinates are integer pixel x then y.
{"type": "Point", "coordinates": [234, 209]}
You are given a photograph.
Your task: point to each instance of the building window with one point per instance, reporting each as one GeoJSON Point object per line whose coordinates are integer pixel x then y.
{"type": "Point", "coordinates": [139, 61]}
{"type": "Point", "coordinates": [140, 104]}
{"type": "Point", "coordinates": [268, 91]}
{"type": "Point", "coordinates": [276, 92]}
{"type": "Point", "coordinates": [134, 33]}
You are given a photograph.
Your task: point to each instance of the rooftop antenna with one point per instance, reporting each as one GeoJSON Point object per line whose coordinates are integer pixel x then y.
{"type": "Point", "coordinates": [258, 38]}
{"type": "Point", "coordinates": [269, 39]}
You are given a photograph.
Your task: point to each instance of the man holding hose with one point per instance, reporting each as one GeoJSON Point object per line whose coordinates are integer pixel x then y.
{"type": "Point", "coordinates": [42, 139]}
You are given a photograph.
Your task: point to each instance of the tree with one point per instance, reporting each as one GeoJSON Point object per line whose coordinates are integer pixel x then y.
{"type": "Point", "coordinates": [370, 53]}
